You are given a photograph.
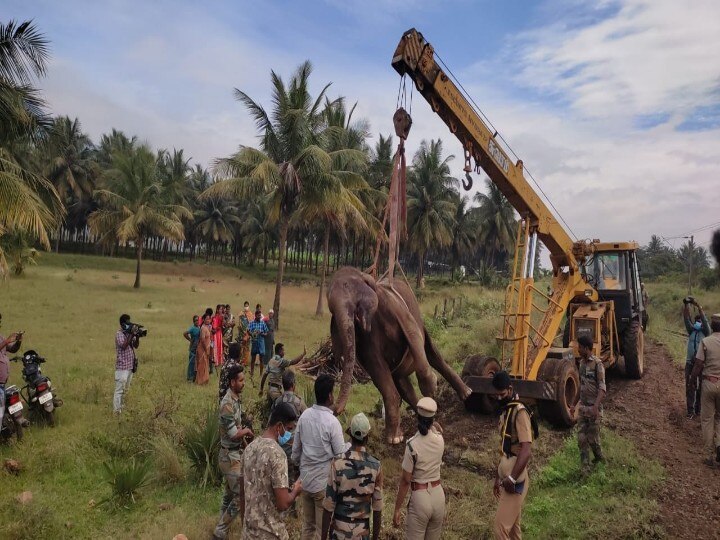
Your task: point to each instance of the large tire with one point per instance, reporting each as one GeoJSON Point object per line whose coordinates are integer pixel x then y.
{"type": "Point", "coordinates": [479, 365]}
{"type": "Point", "coordinates": [564, 376]}
{"type": "Point", "coordinates": [633, 341]}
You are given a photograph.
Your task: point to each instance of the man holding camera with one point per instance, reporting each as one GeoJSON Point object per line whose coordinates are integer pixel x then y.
{"type": "Point", "coordinates": [126, 341]}
{"type": "Point", "coordinates": [697, 329]}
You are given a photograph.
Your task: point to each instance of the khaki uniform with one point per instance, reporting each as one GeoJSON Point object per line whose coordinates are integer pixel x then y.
{"type": "Point", "coordinates": [229, 460]}
{"type": "Point", "coordinates": [592, 380]}
{"type": "Point", "coordinates": [264, 469]}
{"type": "Point", "coordinates": [426, 509]}
{"type": "Point", "coordinates": [354, 491]}
{"type": "Point", "coordinates": [275, 368]}
{"type": "Point", "coordinates": [507, 517]}
{"type": "Point", "coordinates": [709, 352]}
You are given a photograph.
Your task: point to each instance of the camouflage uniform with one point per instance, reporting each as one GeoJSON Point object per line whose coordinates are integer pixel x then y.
{"type": "Point", "coordinates": [230, 459]}
{"type": "Point", "coordinates": [354, 491]}
{"type": "Point", "coordinates": [224, 383]}
{"type": "Point", "coordinates": [275, 369]}
{"type": "Point", "coordinates": [264, 467]}
{"type": "Point", "coordinates": [299, 406]}
{"type": "Point", "coordinates": [592, 380]}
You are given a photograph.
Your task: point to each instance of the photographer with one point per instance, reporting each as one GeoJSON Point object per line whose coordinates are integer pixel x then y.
{"type": "Point", "coordinates": [698, 329]}
{"type": "Point", "coordinates": [127, 339]}
{"type": "Point", "coordinates": [9, 345]}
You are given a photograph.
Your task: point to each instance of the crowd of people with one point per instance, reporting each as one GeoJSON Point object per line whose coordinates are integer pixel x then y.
{"type": "Point", "coordinates": [219, 339]}
{"type": "Point", "coordinates": [302, 454]}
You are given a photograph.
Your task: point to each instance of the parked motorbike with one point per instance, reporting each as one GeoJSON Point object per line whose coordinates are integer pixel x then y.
{"type": "Point", "coordinates": [13, 421]}
{"type": "Point", "coordinates": [38, 388]}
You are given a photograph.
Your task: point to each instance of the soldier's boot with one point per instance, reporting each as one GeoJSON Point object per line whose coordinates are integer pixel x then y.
{"type": "Point", "coordinates": [584, 463]}
{"type": "Point", "coordinates": [597, 451]}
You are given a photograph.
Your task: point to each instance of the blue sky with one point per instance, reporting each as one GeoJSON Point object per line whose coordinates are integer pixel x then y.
{"type": "Point", "coordinates": [614, 105]}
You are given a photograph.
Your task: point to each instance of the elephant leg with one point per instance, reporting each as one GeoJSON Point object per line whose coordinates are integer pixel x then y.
{"type": "Point", "coordinates": [427, 380]}
{"type": "Point", "coordinates": [407, 390]}
{"type": "Point", "coordinates": [383, 380]}
{"type": "Point", "coordinates": [448, 373]}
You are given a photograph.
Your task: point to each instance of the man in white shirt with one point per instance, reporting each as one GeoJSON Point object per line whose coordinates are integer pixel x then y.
{"type": "Point", "coordinates": [318, 438]}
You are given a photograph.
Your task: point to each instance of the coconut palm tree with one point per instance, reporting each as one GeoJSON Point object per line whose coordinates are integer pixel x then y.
{"type": "Point", "coordinates": [112, 143]}
{"type": "Point", "coordinates": [70, 166]}
{"type": "Point", "coordinates": [498, 225]}
{"type": "Point", "coordinates": [216, 221]}
{"type": "Point", "coordinates": [28, 202]}
{"type": "Point", "coordinates": [133, 206]}
{"type": "Point", "coordinates": [257, 233]}
{"type": "Point", "coordinates": [289, 156]}
{"type": "Point", "coordinates": [464, 232]}
{"type": "Point", "coordinates": [332, 197]}
{"type": "Point", "coordinates": [431, 206]}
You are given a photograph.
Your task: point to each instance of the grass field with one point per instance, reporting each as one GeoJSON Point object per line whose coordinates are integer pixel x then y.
{"type": "Point", "coordinates": [69, 308]}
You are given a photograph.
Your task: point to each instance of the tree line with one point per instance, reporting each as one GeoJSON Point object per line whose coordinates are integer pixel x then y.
{"type": "Point", "coordinates": [310, 196]}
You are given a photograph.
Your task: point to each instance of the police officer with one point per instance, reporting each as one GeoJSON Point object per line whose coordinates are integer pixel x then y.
{"type": "Point", "coordinates": [354, 489]}
{"type": "Point", "coordinates": [592, 393]}
{"type": "Point", "coordinates": [231, 442]}
{"type": "Point", "coordinates": [512, 481]}
{"type": "Point", "coordinates": [707, 366]}
{"type": "Point", "coordinates": [421, 473]}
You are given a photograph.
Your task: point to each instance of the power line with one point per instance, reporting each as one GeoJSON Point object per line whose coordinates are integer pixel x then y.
{"type": "Point", "coordinates": [507, 145]}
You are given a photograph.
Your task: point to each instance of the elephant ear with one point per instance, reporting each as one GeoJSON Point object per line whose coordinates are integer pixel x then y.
{"type": "Point", "coordinates": [367, 304]}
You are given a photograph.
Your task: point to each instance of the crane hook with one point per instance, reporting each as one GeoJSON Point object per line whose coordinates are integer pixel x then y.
{"type": "Point", "coordinates": [467, 182]}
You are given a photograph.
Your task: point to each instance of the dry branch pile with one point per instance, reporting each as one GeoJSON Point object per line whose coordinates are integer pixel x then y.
{"type": "Point", "coordinates": [323, 361]}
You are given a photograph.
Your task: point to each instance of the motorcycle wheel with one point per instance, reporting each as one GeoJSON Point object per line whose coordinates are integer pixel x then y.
{"type": "Point", "coordinates": [50, 418]}
{"type": "Point", "coordinates": [18, 431]}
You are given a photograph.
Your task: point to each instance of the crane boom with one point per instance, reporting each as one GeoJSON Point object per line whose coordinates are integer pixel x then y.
{"type": "Point", "coordinates": [415, 57]}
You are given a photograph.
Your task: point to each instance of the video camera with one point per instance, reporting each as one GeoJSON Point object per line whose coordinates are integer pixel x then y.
{"type": "Point", "coordinates": [136, 330]}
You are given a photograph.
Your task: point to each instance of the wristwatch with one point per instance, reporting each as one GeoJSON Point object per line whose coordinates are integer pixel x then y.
{"type": "Point", "coordinates": [511, 479]}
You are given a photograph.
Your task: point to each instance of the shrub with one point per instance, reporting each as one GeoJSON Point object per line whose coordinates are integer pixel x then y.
{"type": "Point", "coordinates": [125, 479]}
{"type": "Point", "coordinates": [202, 442]}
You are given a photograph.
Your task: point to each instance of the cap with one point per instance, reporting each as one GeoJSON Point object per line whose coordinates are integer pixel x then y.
{"type": "Point", "coordinates": [359, 426]}
{"type": "Point", "coordinates": [715, 317]}
{"type": "Point", "coordinates": [426, 407]}
{"type": "Point", "coordinates": [501, 380]}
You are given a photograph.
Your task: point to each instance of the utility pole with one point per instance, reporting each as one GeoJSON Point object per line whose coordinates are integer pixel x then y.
{"type": "Point", "coordinates": [691, 245]}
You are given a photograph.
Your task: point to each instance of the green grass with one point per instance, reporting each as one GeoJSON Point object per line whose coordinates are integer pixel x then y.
{"type": "Point", "coordinates": [615, 501]}
{"type": "Point", "coordinates": [69, 307]}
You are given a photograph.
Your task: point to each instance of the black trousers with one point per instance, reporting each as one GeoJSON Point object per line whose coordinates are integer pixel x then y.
{"type": "Point", "coordinates": [692, 396]}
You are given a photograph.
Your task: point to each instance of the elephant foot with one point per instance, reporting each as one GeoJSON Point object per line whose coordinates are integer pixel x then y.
{"type": "Point", "coordinates": [397, 439]}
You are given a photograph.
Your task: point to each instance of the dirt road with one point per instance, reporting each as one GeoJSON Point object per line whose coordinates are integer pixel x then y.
{"type": "Point", "coordinates": [651, 413]}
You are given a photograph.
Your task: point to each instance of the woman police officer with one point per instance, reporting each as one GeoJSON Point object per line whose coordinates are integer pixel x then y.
{"type": "Point", "coordinates": [421, 473]}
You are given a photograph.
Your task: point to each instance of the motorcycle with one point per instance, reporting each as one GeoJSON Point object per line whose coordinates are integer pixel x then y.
{"type": "Point", "coordinates": [38, 388]}
{"type": "Point", "coordinates": [13, 421]}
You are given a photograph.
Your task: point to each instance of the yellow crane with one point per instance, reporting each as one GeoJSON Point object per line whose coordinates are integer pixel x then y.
{"type": "Point", "coordinates": [595, 285]}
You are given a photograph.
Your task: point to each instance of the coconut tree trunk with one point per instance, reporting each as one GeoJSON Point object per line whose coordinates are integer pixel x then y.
{"type": "Point", "coordinates": [420, 269]}
{"type": "Point", "coordinates": [284, 226]}
{"type": "Point", "coordinates": [139, 258]}
{"type": "Point", "coordinates": [320, 310]}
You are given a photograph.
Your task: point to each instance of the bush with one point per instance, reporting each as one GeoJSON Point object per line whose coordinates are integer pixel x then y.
{"type": "Point", "coordinates": [125, 479]}
{"type": "Point", "coordinates": [202, 442]}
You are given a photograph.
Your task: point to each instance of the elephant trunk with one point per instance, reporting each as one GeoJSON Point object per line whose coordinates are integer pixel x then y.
{"type": "Point", "coordinates": [346, 333]}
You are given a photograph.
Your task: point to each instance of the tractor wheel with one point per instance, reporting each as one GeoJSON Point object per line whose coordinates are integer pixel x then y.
{"type": "Point", "coordinates": [479, 365]}
{"type": "Point", "coordinates": [634, 350]}
{"type": "Point", "coordinates": [564, 376]}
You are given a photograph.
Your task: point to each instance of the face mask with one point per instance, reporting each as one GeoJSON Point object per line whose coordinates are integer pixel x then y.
{"type": "Point", "coordinates": [285, 437]}
{"type": "Point", "coordinates": [697, 325]}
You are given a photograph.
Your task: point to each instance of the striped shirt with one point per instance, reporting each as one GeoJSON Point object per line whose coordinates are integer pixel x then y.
{"type": "Point", "coordinates": [124, 357]}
